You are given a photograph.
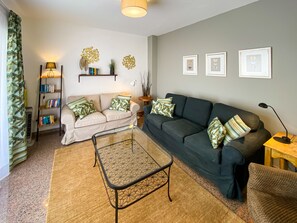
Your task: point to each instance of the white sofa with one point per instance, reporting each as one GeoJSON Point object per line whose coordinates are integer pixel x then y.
{"type": "Point", "coordinates": [103, 120]}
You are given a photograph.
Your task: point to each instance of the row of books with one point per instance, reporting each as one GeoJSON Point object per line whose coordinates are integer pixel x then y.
{"type": "Point", "coordinates": [45, 88]}
{"type": "Point", "coordinates": [93, 71]}
{"type": "Point", "coordinates": [46, 120]}
{"type": "Point", "coordinates": [53, 103]}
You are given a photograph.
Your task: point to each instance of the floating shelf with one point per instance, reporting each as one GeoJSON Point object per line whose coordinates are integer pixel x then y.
{"type": "Point", "coordinates": [98, 75]}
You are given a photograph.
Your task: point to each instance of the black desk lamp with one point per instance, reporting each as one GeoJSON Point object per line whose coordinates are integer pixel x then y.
{"type": "Point", "coordinates": [284, 139]}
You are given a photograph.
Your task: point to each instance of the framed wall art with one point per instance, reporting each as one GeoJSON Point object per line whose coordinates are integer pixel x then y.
{"type": "Point", "coordinates": [255, 63]}
{"type": "Point", "coordinates": [190, 65]}
{"type": "Point", "coordinates": [215, 64]}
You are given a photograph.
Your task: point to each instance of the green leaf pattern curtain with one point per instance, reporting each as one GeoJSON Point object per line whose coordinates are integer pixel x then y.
{"type": "Point", "coordinates": [15, 93]}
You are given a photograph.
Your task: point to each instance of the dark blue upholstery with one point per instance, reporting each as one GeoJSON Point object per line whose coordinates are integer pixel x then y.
{"type": "Point", "coordinates": [186, 137]}
{"type": "Point", "coordinates": [179, 101]}
{"type": "Point", "coordinates": [200, 145]}
{"type": "Point", "coordinates": [197, 110]}
{"type": "Point", "coordinates": [158, 120]}
{"type": "Point", "coordinates": [225, 112]}
{"type": "Point", "coordinates": [179, 129]}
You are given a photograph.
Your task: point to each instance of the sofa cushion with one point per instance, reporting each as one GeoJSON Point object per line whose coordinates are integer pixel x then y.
{"type": "Point", "coordinates": [105, 100]}
{"type": "Point", "coordinates": [95, 98]}
{"type": "Point", "coordinates": [197, 110]}
{"type": "Point", "coordinates": [225, 112]}
{"type": "Point", "coordinates": [164, 109]}
{"type": "Point", "coordinates": [179, 101]}
{"type": "Point", "coordinates": [84, 109]}
{"type": "Point", "coordinates": [180, 128]}
{"type": "Point", "coordinates": [165, 100]}
{"type": "Point", "coordinates": [158, 120]}
{"type": "Point", "coordinates": [216, 132]}
{"type": "Point", "coordinates": [236, 129]}
{"type": "Point", "coordinates": [119, 104]}
{"type": "Point", "coordinates": [92, 119]}
{"type": "Point", "coordinates": [199, 144]}
{"type": "Point", "coordinates": [112, 115]}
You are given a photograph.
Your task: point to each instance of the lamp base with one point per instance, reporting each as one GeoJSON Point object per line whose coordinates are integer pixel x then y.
{"type": "Point", "coordinates": [283, 139]}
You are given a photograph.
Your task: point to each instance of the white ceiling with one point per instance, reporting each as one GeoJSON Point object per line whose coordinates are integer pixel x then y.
{"type": "Point", "coordinates": [163, 15]}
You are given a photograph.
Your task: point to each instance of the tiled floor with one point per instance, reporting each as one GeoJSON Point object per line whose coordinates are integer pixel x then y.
{"type": "Point", "coordinates": [24, 193]}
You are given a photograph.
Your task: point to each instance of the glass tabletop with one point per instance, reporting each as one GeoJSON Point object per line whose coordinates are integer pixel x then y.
{"type": "Point", "coordinates": [130, 156]}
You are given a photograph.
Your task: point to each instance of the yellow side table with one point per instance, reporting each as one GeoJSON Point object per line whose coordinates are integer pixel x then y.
{"type": "Point", "coordinates": [284, 152]}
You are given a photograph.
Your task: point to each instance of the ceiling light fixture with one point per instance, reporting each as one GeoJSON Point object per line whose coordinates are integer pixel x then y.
{"type": "Point", "coordinates": [134, 8]}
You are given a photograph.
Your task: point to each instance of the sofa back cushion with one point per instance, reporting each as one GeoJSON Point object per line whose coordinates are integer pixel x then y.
{"type": "Point", "coordinates": [225, 112]}
{"type": "Point", "coordinates": [197, 111]}
{"type": "Point", "coordinates": [105, 100]}
{"type": "Point", "coordinates": [179, 101]}
{"type": "Point", "coordinates": [95, 98]}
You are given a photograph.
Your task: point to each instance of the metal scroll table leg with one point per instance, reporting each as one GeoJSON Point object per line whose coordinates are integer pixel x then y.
{"type": "Point", "coordinates": [116, 206]}
{"type": "Point", "coordinates": [95, 160]}
{"type": "Point", "coordinates": [169, 185]}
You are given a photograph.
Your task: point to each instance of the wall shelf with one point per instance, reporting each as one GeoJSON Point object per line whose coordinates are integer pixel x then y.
{"type": "Point", "coordinates": [98, 75]}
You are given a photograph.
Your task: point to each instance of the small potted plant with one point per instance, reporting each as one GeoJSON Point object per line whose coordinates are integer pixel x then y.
{"type": "Point", "coordinates": [111, 67]}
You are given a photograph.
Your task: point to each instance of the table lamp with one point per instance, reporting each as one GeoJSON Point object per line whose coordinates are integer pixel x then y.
{"type": "Point", "coordinates": [50, 66]}
{"type": "Point", "coordinates": [284, 139]}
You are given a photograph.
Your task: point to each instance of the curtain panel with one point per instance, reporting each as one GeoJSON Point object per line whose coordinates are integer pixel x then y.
{"type": "Point", "coordinates": [15, 93]}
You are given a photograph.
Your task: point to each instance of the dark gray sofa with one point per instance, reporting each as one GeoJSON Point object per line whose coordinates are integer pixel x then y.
{"type": "Point", "coordinates": [185, 136]}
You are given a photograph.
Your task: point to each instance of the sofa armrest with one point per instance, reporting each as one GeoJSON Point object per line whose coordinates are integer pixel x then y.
{"type": "Point", "coordinates": [249, 144]}
{"type": "Point", "coordinates": [134, 107]}
{"type": "Point", "coordinates": [238, 151]}
{"type": "Point", "coordinates": [67, 117]}
{"type": "Point", "coordinates": [147, 109]}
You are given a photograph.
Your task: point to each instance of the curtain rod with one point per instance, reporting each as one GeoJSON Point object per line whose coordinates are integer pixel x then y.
{"type": "Point", "coordinates": [4, 6]}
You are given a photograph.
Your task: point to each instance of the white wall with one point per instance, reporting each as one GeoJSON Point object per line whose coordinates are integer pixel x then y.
{"type": "Point", "coordinates": [63, 43]}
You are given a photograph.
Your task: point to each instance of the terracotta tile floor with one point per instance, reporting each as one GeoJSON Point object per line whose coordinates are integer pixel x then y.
{"type": "Point", "coordinates": [24, 193]}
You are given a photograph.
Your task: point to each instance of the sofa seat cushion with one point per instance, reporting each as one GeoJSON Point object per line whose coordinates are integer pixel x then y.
{"type": "Point", "coordinates": [179, 129]}
{"type": "Point", "coordinates": [92, 119]}
{"type": "Point", "coordinates": [199, 144]}
{"type": "Point", "coordinates": [112, 115]}
{"type": "Point", "coordinates": [158, 120]}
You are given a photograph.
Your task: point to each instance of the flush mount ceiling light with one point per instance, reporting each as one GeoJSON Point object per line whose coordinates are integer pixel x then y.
{"type": "Point", "coordinates": [134, 8]}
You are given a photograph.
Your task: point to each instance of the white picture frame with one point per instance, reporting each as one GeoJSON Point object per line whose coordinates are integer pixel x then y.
{"type": "Point", "coordinates": [215, 64]}
{"type": "Point", "coordinates": [190, 64]}
{"type": "Point", "coordinates": [255, 63]}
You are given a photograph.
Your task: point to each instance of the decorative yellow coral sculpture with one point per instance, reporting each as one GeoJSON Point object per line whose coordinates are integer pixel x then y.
{"type": "Point", "coordinates": [129, 62]}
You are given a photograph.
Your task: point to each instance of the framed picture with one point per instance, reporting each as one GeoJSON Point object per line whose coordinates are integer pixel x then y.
{"type": "Point", "coordinates": [255, 63]}
{"type": "Point", "coordinates": [215, 64]}
{"type": "Point", "coordinates": [190, 65]}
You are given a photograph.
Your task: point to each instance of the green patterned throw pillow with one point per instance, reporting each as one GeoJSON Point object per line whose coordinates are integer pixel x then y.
{"type": "Point", "coordinates": [216, 132]}
{"type": "Point", "coordinates": [165, 100]}
{"type": "Point", "coordinates": [126, 97]}
{"type": "Point", "coordinates": [85, 109]}
{"type": "Point", "coordinates": [162, 109]}
{"type": "Point", "coordinates": [120, 104]}
{"type": "Point", "coordinates": [236, 129]}
{"type": "Point", "coordinates": [79, 101]}
{"type": "Point", "coordinates": [81, 107]}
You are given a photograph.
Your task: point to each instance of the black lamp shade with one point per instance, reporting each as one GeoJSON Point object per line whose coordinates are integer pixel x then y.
{"type": "Point", "coordinates": [263, 105]}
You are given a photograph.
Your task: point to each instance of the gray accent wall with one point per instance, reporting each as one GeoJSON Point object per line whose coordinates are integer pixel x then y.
{"type": "Point", "coordinates": [266, 23]}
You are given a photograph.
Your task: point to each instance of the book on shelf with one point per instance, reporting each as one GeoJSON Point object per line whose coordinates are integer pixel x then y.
{"type": "Point", "coordinates": [47, 88]}
{"type": "Point", "coordinates": [46, 120]}
{"type": "Point", "coordinates": [53, 103]}
{"type": "Point", "coordinates": [93, 71]}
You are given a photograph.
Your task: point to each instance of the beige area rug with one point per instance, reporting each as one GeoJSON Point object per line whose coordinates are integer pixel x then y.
{"type": "Point", "coordinates": [77, 194]}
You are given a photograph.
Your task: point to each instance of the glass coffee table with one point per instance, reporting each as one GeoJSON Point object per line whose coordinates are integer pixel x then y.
{"type": "Point", "coordinates": [132, 166]}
